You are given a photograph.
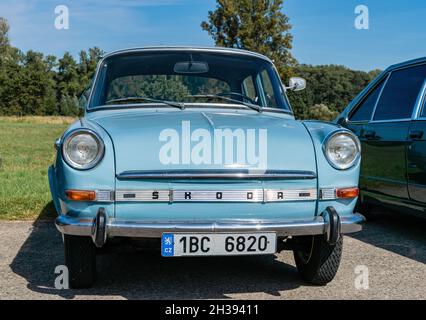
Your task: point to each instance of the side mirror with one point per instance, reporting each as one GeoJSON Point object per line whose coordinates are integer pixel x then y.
{"type": "Point", "coordinates": [297, 84]}
{"type": "Point", "coordinates": [342, 121]}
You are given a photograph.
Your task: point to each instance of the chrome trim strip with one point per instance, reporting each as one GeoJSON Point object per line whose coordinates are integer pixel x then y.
{"type": "Point", "coordinates": [218, 174]}
{"type": "Point", "coordinates": [74, 226]}
{"type": "Point", "coordinates": [249, 195]}
{"type": "Point", "coordinates": [391, 120]}
{"type": "Point", "coordinates": [143, 196]}
{"type": "Point", "coordinates": [154, 229]}
{"type": "Point", "coordinates": [218, 196]}
{"type": "Point", "coordinates": [282, 195]}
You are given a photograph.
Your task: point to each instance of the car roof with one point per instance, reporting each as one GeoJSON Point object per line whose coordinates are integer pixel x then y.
{"type": "Point", "coordinates": [187, 48]}
{"type": "Point", "coordinates": [407, 63]}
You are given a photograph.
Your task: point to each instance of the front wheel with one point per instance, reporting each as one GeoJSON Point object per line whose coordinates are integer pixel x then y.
{"type": "Point", "coordinates": [80, 258]}
{"type": "Point", "coordinates": [319, 262]}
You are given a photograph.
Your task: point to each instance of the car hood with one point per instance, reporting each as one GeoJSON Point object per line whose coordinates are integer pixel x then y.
{"type": "Point", "coordinates": [203, 140]}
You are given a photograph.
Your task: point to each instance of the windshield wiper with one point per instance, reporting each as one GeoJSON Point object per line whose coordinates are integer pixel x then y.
{"type": "Point", "coordinates": [237, 94]}
{"type": "Point", "coordinates": [216, 96]}
{"type": "Point", "coordinates": [134, 99]}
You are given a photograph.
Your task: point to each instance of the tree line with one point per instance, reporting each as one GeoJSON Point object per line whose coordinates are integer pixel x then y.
{"type": "Point", "coordinates": [261, 26]}
{"type": "Point", "coordinates": [35, 84]}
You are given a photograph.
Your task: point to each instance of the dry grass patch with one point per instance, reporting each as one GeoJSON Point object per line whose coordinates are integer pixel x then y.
{"type": "Point", "coordinates": [39, 119]}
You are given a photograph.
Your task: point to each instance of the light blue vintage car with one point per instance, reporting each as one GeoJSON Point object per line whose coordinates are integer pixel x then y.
{"type": "Point", "coordinates": [197, 149]}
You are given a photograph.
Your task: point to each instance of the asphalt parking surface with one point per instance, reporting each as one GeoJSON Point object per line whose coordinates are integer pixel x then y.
{"type": "Point", "coordinates": [392, 247]}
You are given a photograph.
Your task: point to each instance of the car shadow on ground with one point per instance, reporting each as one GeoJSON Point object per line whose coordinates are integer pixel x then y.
{"type": "Point", "coordinates": [136, 274]}
{"type": "Point", "coordinates": [398, 233]}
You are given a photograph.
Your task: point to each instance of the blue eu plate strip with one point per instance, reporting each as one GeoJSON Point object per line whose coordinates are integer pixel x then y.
{"type": "Point", "coordinates": [167, 245]}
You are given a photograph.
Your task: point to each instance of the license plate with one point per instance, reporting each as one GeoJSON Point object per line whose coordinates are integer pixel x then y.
{"type": "Point", "coordinates": [217, 244]}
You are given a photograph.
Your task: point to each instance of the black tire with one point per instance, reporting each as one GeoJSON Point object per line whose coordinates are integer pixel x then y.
{"type": "Point", "coordinates": [318, 265]}
{"type": "Point", "coordinates": [80, 258]}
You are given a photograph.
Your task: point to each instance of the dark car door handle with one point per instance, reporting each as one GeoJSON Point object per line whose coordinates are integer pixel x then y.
{"type": "Point", "coordinates": [370, 134]}
{"type": "Point", "coordinates": [416, 134]}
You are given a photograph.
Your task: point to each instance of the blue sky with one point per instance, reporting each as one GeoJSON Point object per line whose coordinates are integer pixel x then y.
{"type": "Point", "coordinates": [323, 30]}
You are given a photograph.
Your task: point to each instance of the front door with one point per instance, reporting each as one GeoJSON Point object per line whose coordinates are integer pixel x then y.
{"type": "Point", "coordinates": [384, 162]}
{"type": "Point", "coordinates": [386, 137]}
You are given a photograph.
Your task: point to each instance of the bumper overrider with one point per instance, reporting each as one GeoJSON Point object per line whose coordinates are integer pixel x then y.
{"type": "Point", "coordinates": [329, 223]}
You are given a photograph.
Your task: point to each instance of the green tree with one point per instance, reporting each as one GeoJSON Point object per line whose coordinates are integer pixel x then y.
{"type": "Point", "coordinates": [4, 37]}
{"type": "Point", "coordinates": [331, 85]}
{"type": "Point", "coordinates": [321, 112]}
{"type": "Point", "coordinates": [256, 25]}
{"type": "Point", "coordinates": [37, 86]}
{"type": "Point", "coordinates": [11, 82]}
{"type": "Point", "coordinates": [73, 77]}
{"type": "Point", "coordinates": [87, 66]}
{"type": "Point", "coordinates": [26, 84]}
{"type": "Point", "coordinates": [68, 85]}
{"type": "Point", "coordinates": [163, 87]}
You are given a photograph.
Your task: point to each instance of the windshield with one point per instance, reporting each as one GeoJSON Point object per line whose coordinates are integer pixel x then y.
{"type": "Point", "coordinates": [187, 77]}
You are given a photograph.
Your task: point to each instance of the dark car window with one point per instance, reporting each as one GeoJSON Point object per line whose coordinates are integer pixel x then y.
{"type": "Point", "coordinates": [173, 87]}
{"type": "Point", "coordinates": [400, 94]}
{"type": "Point", "coordinates": [365, 110]}
{"type": "Point", "coordinates": [186, 77]}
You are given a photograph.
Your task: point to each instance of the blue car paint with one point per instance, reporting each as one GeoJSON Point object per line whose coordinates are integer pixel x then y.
{"type": "Point", "coordinates": [136, 132]}
{"type": "Point", "coordinates": [129, 135]}
{"type": "Point", "coordinates": [329, 177]}
{"type": "Point", "coordinates": [101, 177]}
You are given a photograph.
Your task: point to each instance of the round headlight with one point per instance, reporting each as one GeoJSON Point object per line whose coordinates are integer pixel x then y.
{"type": "Point", "coordinates": [82, 149]}
{"type": "Point", "coordinates": [342, 150]}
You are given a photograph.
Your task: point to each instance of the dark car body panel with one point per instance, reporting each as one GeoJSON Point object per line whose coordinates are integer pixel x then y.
{"type": "Point", "coordinates": [416, 162]}
{"type": "Point", "coordinates": [393, 168]}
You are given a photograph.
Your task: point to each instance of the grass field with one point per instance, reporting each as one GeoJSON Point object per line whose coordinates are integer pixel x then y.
{"type": "Point", "coordinates": [26, 151]}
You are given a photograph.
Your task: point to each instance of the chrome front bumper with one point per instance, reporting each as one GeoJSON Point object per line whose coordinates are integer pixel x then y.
{"type": "Point", "coordinates": [138, 229]}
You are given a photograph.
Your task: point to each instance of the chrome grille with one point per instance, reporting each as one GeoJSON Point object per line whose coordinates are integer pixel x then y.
{"type": "Point", "coordinates": [250, 195]}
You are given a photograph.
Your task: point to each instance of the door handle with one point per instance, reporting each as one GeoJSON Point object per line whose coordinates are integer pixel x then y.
{"type": "Point", "coordinates": [416, 134]}
{"type": "Point", "coordinates": [370, 134]}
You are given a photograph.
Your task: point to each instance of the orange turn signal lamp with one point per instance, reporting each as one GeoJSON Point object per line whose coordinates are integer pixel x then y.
{"type": "Point", "coordinates": [80, 195]}
{"type": "Point", "coordinates": [347, 193]}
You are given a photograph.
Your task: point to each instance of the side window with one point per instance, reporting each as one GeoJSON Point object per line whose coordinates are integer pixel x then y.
{"type": "Point", "coordinates": [366, 108]}
{"type": "Point", "coordinates": [400, 94]}
{"type": "Point", "coordinates": [84, 98]}
{"type": "Point", "coordinates": [249, 88]}
{"type": "Point", "coordinates": [269, 89]}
